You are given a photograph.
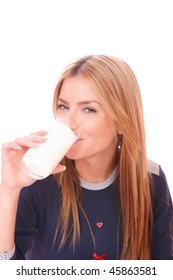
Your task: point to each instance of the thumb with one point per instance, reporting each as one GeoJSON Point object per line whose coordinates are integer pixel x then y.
{"type": "Point", "coordinates": [59, 168]}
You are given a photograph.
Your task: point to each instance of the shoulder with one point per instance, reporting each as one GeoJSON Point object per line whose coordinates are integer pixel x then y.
{"type": "Point", "coordinates": [153, 167]}
{"type": "Point", "coordinates": [157, 175]}
{"type": "Point", "coordinates": [159, 185]}
{"type": "Point", "coordinates": [162, 213]}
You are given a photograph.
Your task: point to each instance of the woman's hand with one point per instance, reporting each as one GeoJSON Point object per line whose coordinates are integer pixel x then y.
{"type": "Point", "coordinates": [13, 172]}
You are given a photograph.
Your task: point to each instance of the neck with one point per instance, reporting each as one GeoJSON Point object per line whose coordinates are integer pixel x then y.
{"type": "Point", "coordinates": [93, 171]}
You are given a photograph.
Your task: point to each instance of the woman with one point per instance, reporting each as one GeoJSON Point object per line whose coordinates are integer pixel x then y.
{"type": "Point", "coordinates": [110, 202]}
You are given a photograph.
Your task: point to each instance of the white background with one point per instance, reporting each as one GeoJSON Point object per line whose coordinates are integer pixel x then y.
{"type": "Point", "coordinates": [38, 38]}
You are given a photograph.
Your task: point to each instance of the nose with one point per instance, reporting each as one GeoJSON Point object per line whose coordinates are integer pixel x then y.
{"type": "Point", "coordinates": [71, 123]}
{"type": "Point", "coordinates": [74, 126]}
{"type": "Point", "coordinates": [72, 119]}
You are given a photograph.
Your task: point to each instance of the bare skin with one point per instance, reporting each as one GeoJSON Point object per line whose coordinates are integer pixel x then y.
{"type": "Point", "coordinates": [13, 179]}
{"type": "Point", "coordinates": [94, 152]}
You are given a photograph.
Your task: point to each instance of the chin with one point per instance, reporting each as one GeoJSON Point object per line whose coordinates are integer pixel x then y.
{"type": "Point", "coordinates": [74, 155]}
{"type": "Point", "coordinates": [71, 155]}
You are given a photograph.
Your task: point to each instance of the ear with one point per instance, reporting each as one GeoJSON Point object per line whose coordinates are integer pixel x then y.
{"type": "Point", "coordinates": [118, 129]}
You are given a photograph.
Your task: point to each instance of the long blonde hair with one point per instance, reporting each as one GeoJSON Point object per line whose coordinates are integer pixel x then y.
{"type": "Point", "coordinates": [114, 82]}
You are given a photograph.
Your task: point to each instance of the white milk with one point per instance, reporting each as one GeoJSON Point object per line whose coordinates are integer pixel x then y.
{"type": "Point", "coordinates": [41, 161]}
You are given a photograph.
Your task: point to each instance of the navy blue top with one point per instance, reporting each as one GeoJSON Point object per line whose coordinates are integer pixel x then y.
{"type": "Point", "coordinates": [37, 216]}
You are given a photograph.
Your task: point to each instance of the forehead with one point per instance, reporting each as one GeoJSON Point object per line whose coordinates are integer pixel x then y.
{"type": "Point", "coordinates": [77, 88]}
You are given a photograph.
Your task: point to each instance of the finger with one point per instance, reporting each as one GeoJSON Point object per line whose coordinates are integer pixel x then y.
{"type": "Point", "coordinates": [11, 145]}
{"type": "Point", "coordinates": [36, 138]}
{"type": "Point", "coordinates": [30, 141]}
{"type": "Point", "coordinates": [26, 142]}
{"type": "Point", "coordinates": [40, 132]}
{"type": "Point", "coordinates": [59, 168]}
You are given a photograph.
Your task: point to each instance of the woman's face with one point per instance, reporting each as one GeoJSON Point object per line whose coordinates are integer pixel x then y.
{"type": "Point", "coordinates": [96, 131]}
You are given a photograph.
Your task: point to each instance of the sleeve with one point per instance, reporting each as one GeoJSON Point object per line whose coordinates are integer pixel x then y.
{"type": "Point", "coordinates": [26, 223]}
{"type": "Point", "coordinates": [7, 255]}
{"type": "Point", "coordinates": [162, 242]}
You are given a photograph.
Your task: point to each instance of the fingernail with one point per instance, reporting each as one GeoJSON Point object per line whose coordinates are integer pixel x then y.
{"type": "Point", "coordinates": [35, 145]}
{"type": "Point", "coordinates": [18, 147]}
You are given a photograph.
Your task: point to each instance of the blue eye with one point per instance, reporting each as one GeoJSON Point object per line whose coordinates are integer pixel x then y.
{"type": "Point", "coordinates": [89, 110]}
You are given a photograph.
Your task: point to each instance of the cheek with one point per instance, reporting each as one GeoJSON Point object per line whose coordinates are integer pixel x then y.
{"type": "Point", "coordinates": [96, 135]}
{"type": "Point", "coordinates": [103, 137]}
{"type": "Point", "coordinates": [107, 130]}
{"type": "Point", "coordinates": [109, 135]}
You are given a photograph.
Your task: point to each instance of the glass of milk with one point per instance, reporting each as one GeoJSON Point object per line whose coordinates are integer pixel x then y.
{"type": "Point", "coordinates": [42, 160]}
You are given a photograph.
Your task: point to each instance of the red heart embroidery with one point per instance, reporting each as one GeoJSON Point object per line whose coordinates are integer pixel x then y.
{"type": "Point", "coordinates": [102, 257]}
{"type": "Point", "coordinates": [99, 225]}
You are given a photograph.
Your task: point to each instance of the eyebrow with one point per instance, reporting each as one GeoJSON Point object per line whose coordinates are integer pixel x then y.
{"type": "Point", "coordinates": [81, 102]}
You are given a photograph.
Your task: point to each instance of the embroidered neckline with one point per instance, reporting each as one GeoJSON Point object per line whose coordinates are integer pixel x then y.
{"type": "Point", "coordinates": [98, 186]}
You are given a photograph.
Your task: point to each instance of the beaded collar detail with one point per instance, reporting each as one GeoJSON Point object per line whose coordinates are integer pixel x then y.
{"type": "Point", "coordinates": [98, 186]}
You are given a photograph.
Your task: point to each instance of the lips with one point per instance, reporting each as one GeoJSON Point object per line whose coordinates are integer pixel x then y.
{"type": "Point", "coordinates": [77, 141]}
